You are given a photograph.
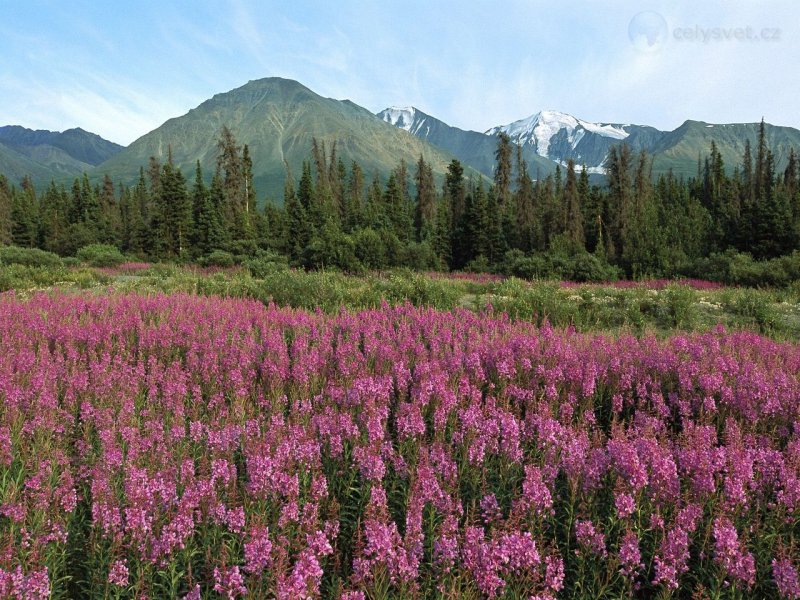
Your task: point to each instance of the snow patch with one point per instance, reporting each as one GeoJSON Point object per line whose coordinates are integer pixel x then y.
{"type": "Point", "coordinates": [401, 117]}
{"type": "Point", "coordinates": [598, 170]}
{"type": "Point", "coordinates": [539, 129]}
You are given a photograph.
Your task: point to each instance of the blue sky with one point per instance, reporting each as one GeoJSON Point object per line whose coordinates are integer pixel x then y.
{"type": "Point", "coordinates": [121, 69]}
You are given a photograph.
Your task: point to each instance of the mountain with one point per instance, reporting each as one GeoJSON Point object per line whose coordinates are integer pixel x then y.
{"type": "Point", "coordinates": [15, 166]}
{"type": "Point", "coordinates": [547, 138]}
{"type": "Point", "coordinates": [47, 155]}
{"type": "Point", "coordinates": [277, 119]}
{"type": "Point", "coordinates": [550, 137]}
{"type": "Point", "coordinates": [679, 149]}
{"type": "Point", "coordinates": [470, 147]}
{"type": "Point", "coordinates": [560, 137]}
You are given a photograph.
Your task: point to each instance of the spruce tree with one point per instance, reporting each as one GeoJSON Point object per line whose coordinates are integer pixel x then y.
{"type": "Point", "coordinates": [502, 171]}
{"type": "Point", "coordinates": [354, 198]}
{"type": "Point", "coordinates": [53, 223]}
{"type": "Point", "coordinates": [573, 217]}
{"type": "Point", "coordinates": [442, 237]}
{"type": "Point", "coordinates": [297, 225]}
{"type": "Point", "coordinates": [219, 232]}
{"type": "Point", "coordinates": [5, 211]}
{"type": "Point", "coordinates": [109, 218]}
{"type": "Point", "coordinates": [454, 193]}
{"type": "Point", "coordinates": [425, 209]}
{"type": "Point", "coordinates": [140, 216]}
{"type": "Point", "coordinates": [619, 198]}
{"type": "Point", "coordinates": [524, 236]}
{"type": "Point", "coordinates": [125, 218]}
{"type": "Point", "coordinates": [231, 169]}
{"type": "Point", "coordinates": [23, 215]}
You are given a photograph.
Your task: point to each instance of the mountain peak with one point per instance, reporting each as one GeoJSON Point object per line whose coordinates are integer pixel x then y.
{"type": "Point", "coordinates": [402, 117]}
{"type": "Point", "coordinates": [540, 130]}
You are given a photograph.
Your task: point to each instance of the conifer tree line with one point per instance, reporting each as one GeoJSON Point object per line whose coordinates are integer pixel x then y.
{"type": "Point", "coordinates": [333, 214]}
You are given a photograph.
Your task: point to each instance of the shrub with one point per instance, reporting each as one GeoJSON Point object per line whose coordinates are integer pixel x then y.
{"type": "Point", "coordinates": [28, 257]}
{"type": "Point", "coordinates": [218, 258]}
{"type": "Point", "coordinates": [100, 255]}
{"type": "Point", "coordinates": [421, 257]}
{"type": "Point", "coordinates": [265, 263]}
{"type": "Point", "coordinates": [370, 249]}
{"type": "Point", "coordinates": [330, 247]}
{"type": "Point", "coordinates": [680, 301]}
{"type": "Point", "coordinates": [71, 261]}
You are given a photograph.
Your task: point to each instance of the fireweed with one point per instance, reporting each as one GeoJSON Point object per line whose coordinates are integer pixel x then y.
{"type": "Point", "coordinates": [177, 446]}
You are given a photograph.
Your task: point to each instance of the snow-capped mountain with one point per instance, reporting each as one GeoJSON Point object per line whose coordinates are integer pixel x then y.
{"type": "Point", "coordinates": [547, 138]}
{"type": "Point", "coordinates": [560, 137]}
{"type": "Point", "coordinates": [406, 118]}
{"type": "Point", "coordinates": [538, 130]}
{"type": "Point", "coordinates": [470, 147]}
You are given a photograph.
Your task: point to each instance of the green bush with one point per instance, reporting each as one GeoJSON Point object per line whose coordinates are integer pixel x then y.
{"type": "Point", "coordinates": [370, 249]}
{"type": "Point", "coordinates": [406, 286]}
{"type": "Point", "coordinates": [218, 258]}
{"type": "Point", "coordinates": [265, 263]}
{"type": "Point", "coordinates": [680, 302]}
{"type": "Point", "coordinates": [331, 248]}
{"type": "Point", "coordinates": [754, 307]}
{"type": "Point", "coordinates": [578, 266]}
{"type": "Point", "coordinates": [422, 257]}
{"type": "Point", "coordinates": [736, 268]}
{"type": "Point", "coordinates": [29, 257]}
{"type": "Point", "coordinates": [71, 261]}
{"type": "Point", "coordinates": [100, 255]}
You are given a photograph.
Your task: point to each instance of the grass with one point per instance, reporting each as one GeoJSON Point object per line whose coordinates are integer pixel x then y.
{"type": "Point", "coordinates": [638, 310]}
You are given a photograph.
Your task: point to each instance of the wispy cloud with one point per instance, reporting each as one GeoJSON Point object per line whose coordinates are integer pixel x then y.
{"type": "Point", "coordinates": [122, 73]}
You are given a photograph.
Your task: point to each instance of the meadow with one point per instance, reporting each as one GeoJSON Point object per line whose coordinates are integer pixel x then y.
{"type": "Point", "coordinates": [170, 432]}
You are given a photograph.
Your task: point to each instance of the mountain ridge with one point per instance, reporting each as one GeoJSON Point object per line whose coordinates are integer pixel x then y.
{"type": "Point", "coordinates": [279, 117]}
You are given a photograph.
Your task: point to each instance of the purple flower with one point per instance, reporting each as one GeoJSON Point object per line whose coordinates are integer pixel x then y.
{"type": "Point", "coordinates": [229, 583]}
{"type": "Point", "coordinates": [118, 574]}
{"type": "Point", "coordinates": [554, 573]}
{"type": "Point", "coordinates": [729, 553]}
{"type": "Point", "coordinates": [625, 505]}
{"type": "Point", "coordinates": [257, 550]}
{"type": "Point", "coordinates": [590, 538]}
{"type": "Point", "coordinates": [630, 557]}
{"type": "Point", "coordinates": [786, 579]}
{"type": "Point", "coordinates": [535, 493]}
{"type": "Point", "coordinates": [671, 559]}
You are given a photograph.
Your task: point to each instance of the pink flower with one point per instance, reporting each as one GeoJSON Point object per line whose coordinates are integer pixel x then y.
{"type": "Point", "coordinates": [590, 538]}
{"type": "Point", "coordinates": [625, 505]}
{"type": "Point", "coordinates": [229, 583]}
{"type": "Point", "coordinates": [118, 574]}
{"type": "Point", "coordinates": [786, 579]}
{"type": "Point", "coordinates": [671, 559]}
{"type": "Point", "coordinates": [554, 573]}
{"type": "Point", "coordinates": [730, 554]}
{"type": "Point", "coordinates": [257, 550]}
{"type": "Point", "coordinates": [630, 557]}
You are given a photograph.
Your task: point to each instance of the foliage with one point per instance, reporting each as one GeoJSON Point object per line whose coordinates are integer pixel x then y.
{"type": "Point", "coordinates": [100, 255]}
{"type": "Point", "coordinates": [30, 257]}
{"type": "Point", "coordinates": [218, 258]}
{"type": "Point", "coordinates": [174, 446]}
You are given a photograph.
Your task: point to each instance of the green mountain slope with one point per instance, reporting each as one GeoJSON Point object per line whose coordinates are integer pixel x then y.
{"type": "Point", "coordinates": [679, 149]}
{"type": "Point", "coordinates": [277, 118]}
{"type": "Point", "coordinates": [51, 155]}
{"type": "Point", "coordinates": [15, 166]}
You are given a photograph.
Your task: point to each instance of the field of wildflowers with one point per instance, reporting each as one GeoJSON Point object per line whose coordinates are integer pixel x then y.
{"type": "Point", "coordinates": [178, 446]}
